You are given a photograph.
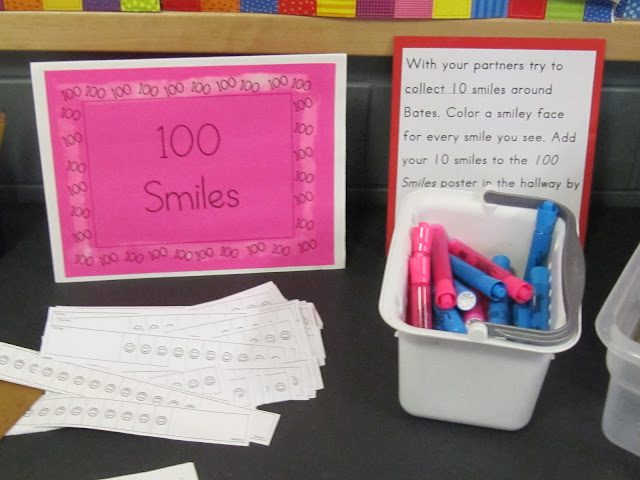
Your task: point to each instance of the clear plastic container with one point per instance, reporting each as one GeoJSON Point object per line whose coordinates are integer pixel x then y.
{"type": "Point", "coordinates": [618, 326]}
{"type": "Point", "coordinates": [491, 376]}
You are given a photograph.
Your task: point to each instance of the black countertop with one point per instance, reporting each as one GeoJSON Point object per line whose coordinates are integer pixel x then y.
{"type": "Point", "coordinates": [355, 428]}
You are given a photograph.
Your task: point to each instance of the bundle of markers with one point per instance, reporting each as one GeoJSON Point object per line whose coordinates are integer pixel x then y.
{"type": "Point", "coordinates": [451, 285]}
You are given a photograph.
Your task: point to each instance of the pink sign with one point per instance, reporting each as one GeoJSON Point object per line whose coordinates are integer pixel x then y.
{"type": "Point", "coordinates": [200, 166]}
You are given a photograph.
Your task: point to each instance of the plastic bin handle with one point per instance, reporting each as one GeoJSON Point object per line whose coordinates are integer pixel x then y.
{"type": "Point", "coordinates": [573, 277]}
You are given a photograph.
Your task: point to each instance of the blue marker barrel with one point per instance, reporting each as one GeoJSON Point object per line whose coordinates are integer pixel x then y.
{"type": "Point", "coordinates": [448, 320]}
{"type": "Point", "coordinates": [498, 311]}
{"type": "Point", "coordinates": [542, 234]}
{"type": "Point", "coordinates": [470, 275]}
{"type": "Point", "coordinates": [522, 314]}
{"type": "Point", "coordinates": [540, 302]}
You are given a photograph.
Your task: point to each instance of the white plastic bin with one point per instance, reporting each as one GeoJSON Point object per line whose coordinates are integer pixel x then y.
{"type": "Point", "coordinates": [618, 326]}
{"type": "Point", "coordinates": [491, 376]}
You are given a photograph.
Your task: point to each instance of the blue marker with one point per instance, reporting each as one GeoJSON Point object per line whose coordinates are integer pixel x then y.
{"type": "Point", "coordinates": [489, 286]}
{"type": "Point", "coordinates": [498, 310]}
{"type": "Point", "coordinates": [540, 301]}
{"type": "Point", "coordinates": [502, 261]}
{"type": "Point", "coordinates": [465, 298]}
{"type": "Point", "coordinates": [522, 314]}
{"type": "Point", "coordinates": [541, 241]}
{"type": "Point", "coordinates": [521, 311]}
{"type": "Point", "coordinates": [448, 320]}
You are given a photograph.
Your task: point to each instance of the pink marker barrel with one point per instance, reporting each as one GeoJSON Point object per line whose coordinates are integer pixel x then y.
{"type": "Point", "coordinates": [445, 291]}
{"type": "Point", "coordinates": [517, 289]}
{"type": "Point", "coordinates": [419, 310]}
{"type": "Point", "coordinates": [475, 314]}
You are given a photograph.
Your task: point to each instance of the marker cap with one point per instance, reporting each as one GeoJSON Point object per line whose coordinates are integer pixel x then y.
{"type": "Point", "coordinates": [495, 289]}
{"type": "Point", "coordinates": [518, 289]}
{"type": "Point", "coordinates": [547, 216]}
{"type": "Point", "coordinates": [502, 261]}
{"type": "Point", "coordinates": [466, 300]}
{"type": "Point", "coordinates": [445, 293]}
{"type": "Point", "coordinates": [540, 276]}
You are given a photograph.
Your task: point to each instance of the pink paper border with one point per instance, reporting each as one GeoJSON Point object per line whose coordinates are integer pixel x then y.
{"type": "Point", "coordinates": [313, 201]}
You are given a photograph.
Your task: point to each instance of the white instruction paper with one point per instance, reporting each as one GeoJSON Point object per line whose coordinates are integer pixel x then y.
{"type": "Point", "coordinates": [515, 115]}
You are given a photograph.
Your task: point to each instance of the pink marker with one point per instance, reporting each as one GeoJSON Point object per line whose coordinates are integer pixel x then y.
{"type": "Point", "coordinates": [421, 239]}
{"type": "Point", "coordinates": [476, 314]}
{"type": "Point", "coordinates": [419, 314]}
{"type": "Point", "coordinates": [445, 291]}
{"type": "Point", "coordinates": [517, 288]}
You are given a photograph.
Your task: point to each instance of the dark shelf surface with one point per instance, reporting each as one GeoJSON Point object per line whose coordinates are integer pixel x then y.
{"type": "Point", "coordinates": [355, 428]}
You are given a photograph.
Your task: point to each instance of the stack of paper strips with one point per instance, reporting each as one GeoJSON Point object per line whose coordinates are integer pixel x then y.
{"type": "Point", "coordinates": [186, 373]}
